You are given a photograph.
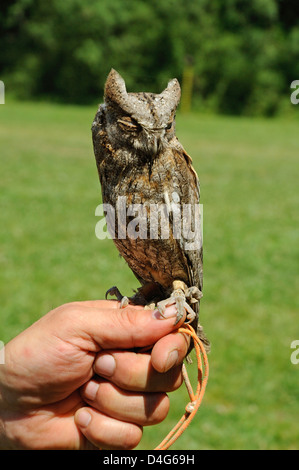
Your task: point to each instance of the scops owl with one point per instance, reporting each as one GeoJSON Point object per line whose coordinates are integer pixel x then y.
{"type": "Point", "coordinates": [151, 196]}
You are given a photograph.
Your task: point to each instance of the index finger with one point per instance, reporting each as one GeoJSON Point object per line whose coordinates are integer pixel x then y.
{"type": "Point", "coordinates": [169, 351]}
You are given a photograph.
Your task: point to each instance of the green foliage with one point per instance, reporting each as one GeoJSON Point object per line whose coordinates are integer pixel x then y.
{"type": "Point", "coordinates": [244, 52]}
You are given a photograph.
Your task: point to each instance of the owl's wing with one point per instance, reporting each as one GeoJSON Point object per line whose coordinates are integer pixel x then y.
{"type": "Point", "coordinates": [175, 143]}
{"type": "Point", "coordinates": [190, 194]}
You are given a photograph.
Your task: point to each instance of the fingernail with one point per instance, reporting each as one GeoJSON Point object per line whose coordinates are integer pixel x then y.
{"type": "Point", "coordinates": [91, 389]}
{"type": "Point", "coordinates": [83, 418]}
{"type": "Point", "coordinates": [168, 312]}
{"type": "Point", "coordinates": [171, 359]}
{"type": "Point", "coordinates": [105, 365]}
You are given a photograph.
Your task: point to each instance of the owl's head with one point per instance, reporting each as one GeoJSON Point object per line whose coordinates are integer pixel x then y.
{"type": "Point", "coordinates": [140, 121]}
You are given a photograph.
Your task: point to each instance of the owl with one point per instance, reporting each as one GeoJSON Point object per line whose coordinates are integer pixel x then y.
{"type": "Point", "coordinates": [151, 196]}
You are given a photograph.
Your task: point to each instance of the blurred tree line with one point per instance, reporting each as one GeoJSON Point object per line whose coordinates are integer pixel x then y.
{"type": "Point", "coordinates": [243, 54]}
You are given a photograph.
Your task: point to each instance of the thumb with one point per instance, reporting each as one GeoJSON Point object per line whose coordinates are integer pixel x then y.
{"type": "Point", "coordinates": [124, 328]}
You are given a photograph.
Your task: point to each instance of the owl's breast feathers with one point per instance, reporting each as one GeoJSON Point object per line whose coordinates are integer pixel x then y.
{"type": "Point", "coordinates": [150, 182]}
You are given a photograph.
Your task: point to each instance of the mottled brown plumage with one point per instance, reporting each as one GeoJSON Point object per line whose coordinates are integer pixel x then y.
{"type": "Point", "coordinates": [139, 157]}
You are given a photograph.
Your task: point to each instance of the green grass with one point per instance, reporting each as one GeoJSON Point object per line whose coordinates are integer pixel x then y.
{"type": "Point", "coordinates": [248, 169]}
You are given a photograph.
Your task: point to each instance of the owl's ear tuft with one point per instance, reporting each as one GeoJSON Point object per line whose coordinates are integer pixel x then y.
{"type": "Point", "coordinates": [115, 88]}
{"type": "Point", "coordinates": [172, 93]}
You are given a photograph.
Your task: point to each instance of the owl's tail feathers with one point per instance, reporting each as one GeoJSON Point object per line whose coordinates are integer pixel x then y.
{"type": "Point", "coordinates": [200, 333]}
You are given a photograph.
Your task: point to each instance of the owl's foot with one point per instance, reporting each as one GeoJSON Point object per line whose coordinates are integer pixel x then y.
{"type": "Point", "coordinates": [124, 301]}
{"type": "Point", "coordinates": [181, 306]}
{"type": "Point", "coordinates": [178, 297]}
{"type": "Point", "coordinates": [193, 294]}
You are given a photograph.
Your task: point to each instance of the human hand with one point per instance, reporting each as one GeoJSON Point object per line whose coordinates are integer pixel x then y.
{"type": "Point", "coordinates": [50, 397]}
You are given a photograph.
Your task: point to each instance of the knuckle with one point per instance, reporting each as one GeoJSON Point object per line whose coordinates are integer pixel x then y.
{"type": "Point", "coordinates": [68, 310]}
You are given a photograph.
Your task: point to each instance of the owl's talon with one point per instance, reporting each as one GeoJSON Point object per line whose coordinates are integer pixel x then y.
{"type": "Point", "coordinates": [151, 306]}
{"type": "Point", "coordinates": [124, 301]}
{"type": "Point", "coordinates": [114, 291]}
{"type": "Point", "coordinates": [161, 311]}
{"type": "Point", "coordinates": [191, 315]}
{"type": "Point", "coordinates": [161, 306]}
{"type": "Point", "coordinates": [178, 301]}
{"type": "Point", "coordinates": [181, 312]}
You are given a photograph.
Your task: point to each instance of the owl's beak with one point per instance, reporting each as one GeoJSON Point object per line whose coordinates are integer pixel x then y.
{"type": "Point", "coordinates": [155, 142]}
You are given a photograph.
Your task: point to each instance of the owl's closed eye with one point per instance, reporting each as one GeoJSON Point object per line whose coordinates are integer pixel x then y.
{"type": "Point", "coordinates": [128, 124]}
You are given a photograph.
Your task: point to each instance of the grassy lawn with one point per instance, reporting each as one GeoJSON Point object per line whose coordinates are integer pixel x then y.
{"type": "Point", "coordinates": [248, 169]}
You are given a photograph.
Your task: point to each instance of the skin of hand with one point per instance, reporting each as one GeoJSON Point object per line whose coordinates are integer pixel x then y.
{"type": "Point", "coordinates": [75, 379]}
